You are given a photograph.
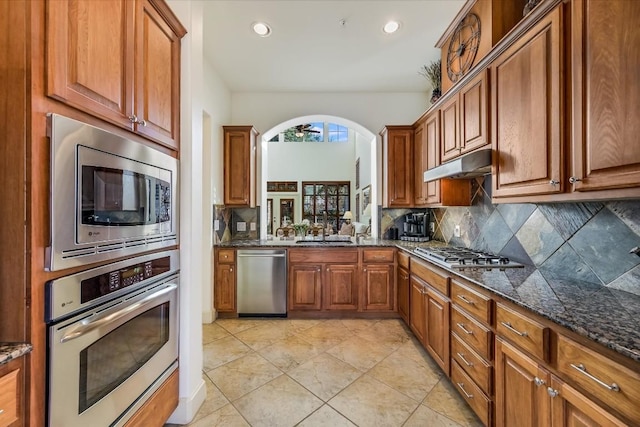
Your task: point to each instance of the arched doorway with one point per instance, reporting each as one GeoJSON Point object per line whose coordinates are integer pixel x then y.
{"type": "Point", "coordinates": [364, 188]}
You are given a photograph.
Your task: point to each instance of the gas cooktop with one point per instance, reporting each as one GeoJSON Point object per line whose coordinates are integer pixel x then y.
{"type": "Point", "coordinates": [460, 258]}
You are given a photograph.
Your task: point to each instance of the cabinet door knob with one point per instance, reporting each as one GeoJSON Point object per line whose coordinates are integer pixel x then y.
{"type": "Point", "coordinates": [573, 180]}
{"type": "Point", "coordinates": [554, 182]}
{"type": "Point", "coordinates": [551, 392]}
{"type": "Point", "coordinates": [539, 381]}
{"type": "Point", "coordinates": [142, 122]}
{"type": "Point", "coordinates": [133, 119]}
{"type": "Point", "coordinates": [231, 269]}
{"type": "Point", "coordinates": [364, 269]}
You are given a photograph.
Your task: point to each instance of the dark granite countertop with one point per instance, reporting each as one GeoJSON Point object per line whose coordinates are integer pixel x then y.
{"type": "Point", "coordinates": [13, 350]}
{"type": "Point", "coordinates": [353, 243]}
{"type": "Point", "coordinates": [607, 316]}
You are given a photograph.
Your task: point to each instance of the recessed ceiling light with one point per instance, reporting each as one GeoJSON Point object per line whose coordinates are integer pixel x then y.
{"type": "Point", "coordinates": [391, 27]}
{"type": "Point", "coordinates": [261, 28]}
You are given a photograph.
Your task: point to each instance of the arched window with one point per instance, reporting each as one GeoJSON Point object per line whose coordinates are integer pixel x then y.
{"type": "Point", "coordinates": [313, 132]}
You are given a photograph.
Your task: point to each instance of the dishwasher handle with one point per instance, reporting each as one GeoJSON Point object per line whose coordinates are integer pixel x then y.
{"type": "Point", "coordinates": [263, 255]}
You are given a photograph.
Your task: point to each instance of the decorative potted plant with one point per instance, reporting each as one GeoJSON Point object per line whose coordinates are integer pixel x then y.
{"type": "Point", "coordinates": [433, 73]}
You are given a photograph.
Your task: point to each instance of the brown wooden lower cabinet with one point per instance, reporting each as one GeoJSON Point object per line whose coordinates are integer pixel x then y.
{"type": "Point", "coordinates": [305, 287]}
{"type": "Point", "coordinates": [571, 408]}
{"type": "Point", "coordinates": [472, 394]}
{"type": "Point", "coordinates": [340, 284]}
{"type": "Point", "coordinates": [417, 313]}
{"type": "Point", "coordinates": [521, 389]}
{"type": "Point", "coordinates": [224, 292]}
{"type": "Point", "coordinates": [404, 289]}
{"type": "Point", "coordinates": [378, 290]}
{"type": "Point", "coordinates": [437, 331]}
{"type": "Point", "coordinates": [12, 394]}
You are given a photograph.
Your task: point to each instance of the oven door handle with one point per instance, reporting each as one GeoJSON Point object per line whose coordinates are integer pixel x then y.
{"type": "Point", "coordinates": [92, 324]}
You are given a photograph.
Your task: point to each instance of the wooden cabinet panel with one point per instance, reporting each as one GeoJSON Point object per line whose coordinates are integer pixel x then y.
{"type": "Point", "coordinates": [570, 408]}
{"type": "Point", "coordinates": [419, 165]}
{"type": "Point", "coordinates": [226, 256]}
{"type": "Point", "coordinates": [160, 405]}
{"type": "Point", "coordinates": [526, 112]}
{"type": "Point", "coordinates": [404, 289]}
{"type": "Point", "coordinates": [118, 60]}
{"type": "Point", "coordinates": [397, 146]}
{"type": "Point", "coordinates": [478, 336]}
{"type": "Point", "coordinates": [606, 94]}
{"type": "Point", "coordinates": [341, 284]}
{"type": "Point", "coordinates": [417, 320]}
{"type": "Point", "coordinates": [474, 302]}
{"type": "Point", "coordinates": [474, 123]}
{"type": "Point", "coordinates": [385, 255]}
{"type": "Point", "coordinates": [437, 331]}
{"type": "Point", "coordinates": [450, 130]}
{"type": "Point", "coordinates": [305, 287]}
{"type": "Point", "coordinates": [523, 331]}
{"type": "Point", "coordinates": [521, 389]}
{"type": "Point", "coordinates": [480, 371]}
{"type": "Point", "coordinates": [433, 276]}
{"type": "Point", "coordinates": [378, 287]}
{"type": "Point", "coordinates": [225, 289]}
{"type": "Point", "coordinates": [597, 374]}
{"type": "Point", "coordinates": [472, 394]}
{"type": "Point", "coordinates": [90, 56]}
{"type": "Point", "coordinates": [157, 101]}
{"type": "Point", "coordinates": [11, 393]}
{"type": "Point", "coordinates": [403, 259]}
{"type": "Point", "coordinates": [432, 157]}
{"type": "Point", "coordinates": [239, 165]}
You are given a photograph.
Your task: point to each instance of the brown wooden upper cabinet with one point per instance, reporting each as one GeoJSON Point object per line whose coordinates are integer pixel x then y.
{"type": "Point", "coordinates": [526, 106]}
{"type": "Point", "coordinates": [240, 165]}
{"type": "Point", "coordinates": [397, 146]}
{"type": "Point", "coordinates": [606, 95]}
{"type": "Point", "coordinates": [119, 61]}
{"type": "Point", "coordinates": [464, 119]}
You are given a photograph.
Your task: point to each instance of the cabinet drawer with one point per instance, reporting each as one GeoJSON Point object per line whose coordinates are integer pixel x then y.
{"type": "Point", "coordinates": [476, 335]}
{"type": "Point", "coordinates": [473, 302]}
{"type": "Point", "coordinates": [226, 256]}
{"type": "Point", "coordinates": [475, 366]}
{"type": "Point", "coordinates": [377, 255]}
{"type": "Point", "coordinates": [523, 331]}
{"type": "Point", "coordinates": [613, 384]}
{"type": "Point", "coordinates": [329, 255]}
{"type": "Point", "coordinates": [403, 260]}
{"type": "Point", "coordinates": [470, 392]}
{"type": "Point", "coordinates": [433, 276]}
{"type": "Point", "coordinates": [9, 392]}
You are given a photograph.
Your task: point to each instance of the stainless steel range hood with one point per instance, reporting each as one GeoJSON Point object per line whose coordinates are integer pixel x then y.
{"type": "Point", "coordinates": [476, 163]}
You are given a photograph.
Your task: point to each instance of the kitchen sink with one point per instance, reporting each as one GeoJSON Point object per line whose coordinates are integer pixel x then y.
{"type": "Point", "coordinates": [323, 242]}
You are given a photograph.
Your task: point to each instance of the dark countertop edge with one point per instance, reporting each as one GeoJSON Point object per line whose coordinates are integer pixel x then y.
{"type": "Point", "coordinates": [309, 244]}
{"type": "Point", "coordinates": [555, 317]}
{"type": "Point", "coordinates": [13, 350]}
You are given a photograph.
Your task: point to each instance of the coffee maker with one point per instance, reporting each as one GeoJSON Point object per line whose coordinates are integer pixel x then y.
{"type": "Point", "coordinates": [416, 227]}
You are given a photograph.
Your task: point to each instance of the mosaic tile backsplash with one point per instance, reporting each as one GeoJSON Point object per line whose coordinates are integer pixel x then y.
{"type": "Point", "coordinates": [591, 242]}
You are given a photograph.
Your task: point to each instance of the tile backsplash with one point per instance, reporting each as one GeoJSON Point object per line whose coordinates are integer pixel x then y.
{"type": "Point", "coordinates": [591, 242]}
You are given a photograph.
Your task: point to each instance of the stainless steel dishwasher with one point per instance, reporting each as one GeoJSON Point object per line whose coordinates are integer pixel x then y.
{"type": "Point", "coordinates": [262, 282]}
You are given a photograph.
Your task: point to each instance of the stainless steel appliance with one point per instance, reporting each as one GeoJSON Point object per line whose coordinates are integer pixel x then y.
{"type": "Point", "coordinates": [475, 163]}
{"type": "Point", "coordinates": [262, 282]}
{"type": "Point", "coordinates": [110, 196]}
{"type": "Point", "coordinates": [112, 336]}
{"type": "Point", "coordinates": [416, 227]}
{"type": "Point", "coordinates": [461, 258]}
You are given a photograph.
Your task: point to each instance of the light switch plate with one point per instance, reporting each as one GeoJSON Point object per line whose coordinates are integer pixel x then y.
{"type": "Point", "coordinates": [253, 226]}
{"type": "Point", "coordinates": [216, 225]}
{"type": "Point", "coordinates": [242, 226]}
{"type": "Point", "coordinates": [456, 231]}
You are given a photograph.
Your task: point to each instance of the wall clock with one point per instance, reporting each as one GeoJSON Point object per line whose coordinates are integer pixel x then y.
{"type": "Point", "coordinates": [463, 46]}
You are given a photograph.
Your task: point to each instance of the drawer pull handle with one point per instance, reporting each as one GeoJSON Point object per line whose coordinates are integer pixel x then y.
{"type": "Point", "coordinates": [463, 298]}
{"type": "Point", "coordinates": [580, 368]}
{"type": "Point", "coordinates": [466, 362]}
{"type": "Point", "coordinates": [461, 385]}
{"type": "Point", "coordinates": [465, 330]}
{"type": "Point", "coordinates": [512, 329]}
{"type": "Point", "coordinates": [539, 381]}
{"type": "Point", "coordinates": [551, 392]}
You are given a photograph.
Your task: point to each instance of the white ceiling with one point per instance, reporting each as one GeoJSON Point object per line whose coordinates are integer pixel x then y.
{"type": "Point", "coordinates": [310, 51]}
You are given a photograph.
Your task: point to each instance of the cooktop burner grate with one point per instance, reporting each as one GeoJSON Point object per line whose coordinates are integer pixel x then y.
{"type": "Point", "coordinates": [455, 257]}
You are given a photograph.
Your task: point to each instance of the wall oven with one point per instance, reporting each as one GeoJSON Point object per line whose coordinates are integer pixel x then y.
{"type": "Point", "coordinates": [112, 339]}
{"type": "Point", "coordinates": [110, 196]}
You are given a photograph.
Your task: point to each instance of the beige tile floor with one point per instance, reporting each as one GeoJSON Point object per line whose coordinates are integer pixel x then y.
{"type": "Point", "coordinates": [311, 373]}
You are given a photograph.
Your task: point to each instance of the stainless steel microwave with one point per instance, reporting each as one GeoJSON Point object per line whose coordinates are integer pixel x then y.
{"type": "Point", "coordinates": [110, 196]}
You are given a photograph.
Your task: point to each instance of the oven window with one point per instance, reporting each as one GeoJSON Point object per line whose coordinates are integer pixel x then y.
{"type": "Point", "coordinates": [108, 362]}
{"type": "Point", "coordinates": [118, 197]}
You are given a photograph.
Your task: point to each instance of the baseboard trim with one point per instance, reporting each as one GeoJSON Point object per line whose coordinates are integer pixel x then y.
{"type": "Point", "coordinates": [188, 406]}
